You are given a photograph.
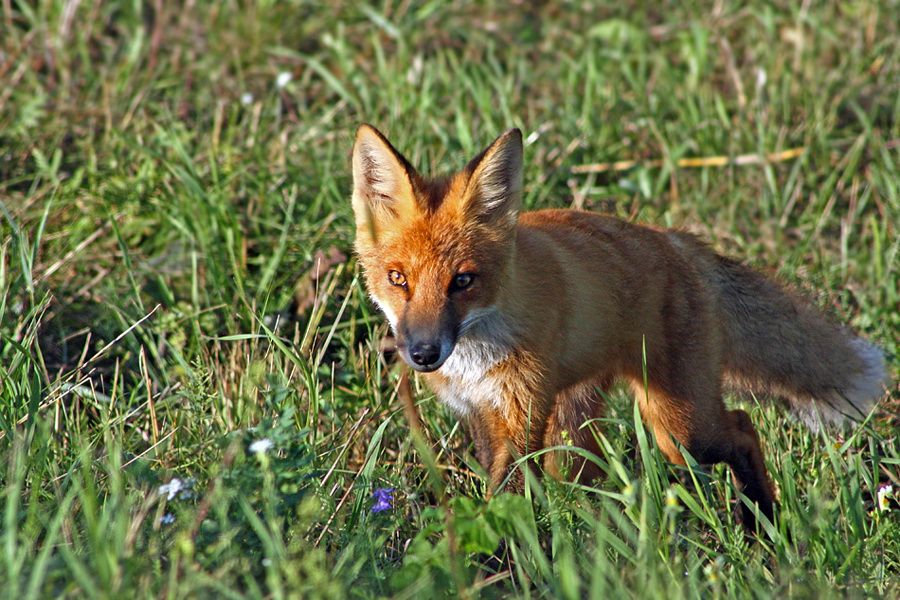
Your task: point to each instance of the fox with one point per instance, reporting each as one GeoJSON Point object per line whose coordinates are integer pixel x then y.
{"type": "Point", "coordinates": [521, 321]}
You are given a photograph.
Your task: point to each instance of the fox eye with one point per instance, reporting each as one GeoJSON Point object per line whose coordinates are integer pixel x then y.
{"type": "Point", "coordinates": [462, 281]}
{"type": "Point", "coordinates": [397, 278]}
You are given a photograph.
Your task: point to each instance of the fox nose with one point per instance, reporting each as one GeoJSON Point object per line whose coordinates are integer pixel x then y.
{"type": "Point", "coordinates": [425, 354]}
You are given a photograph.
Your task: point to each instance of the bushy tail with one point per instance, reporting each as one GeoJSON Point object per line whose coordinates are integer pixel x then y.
{"type": "Point", "coordinates": [778, 344]}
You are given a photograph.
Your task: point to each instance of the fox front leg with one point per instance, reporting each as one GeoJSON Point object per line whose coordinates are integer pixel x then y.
{"type": "Point", "coordinates": [501, 439]}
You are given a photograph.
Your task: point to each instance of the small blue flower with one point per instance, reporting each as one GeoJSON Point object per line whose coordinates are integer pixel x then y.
{"type": "Point", "coordinates": [171, 489]}
{"type": "Point", "coordinates": [383, 498]}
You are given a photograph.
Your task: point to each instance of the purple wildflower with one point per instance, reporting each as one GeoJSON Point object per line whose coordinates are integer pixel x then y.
{"type": "Point", "coordinates": [383, 498]}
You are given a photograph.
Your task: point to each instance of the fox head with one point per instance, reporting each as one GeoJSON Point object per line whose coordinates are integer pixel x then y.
{"type": "Point", "coordinates": [435, 251]}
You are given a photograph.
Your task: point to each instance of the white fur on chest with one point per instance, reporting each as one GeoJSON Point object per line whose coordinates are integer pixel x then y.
{"type": "Point", "coordinates": [485, 343]}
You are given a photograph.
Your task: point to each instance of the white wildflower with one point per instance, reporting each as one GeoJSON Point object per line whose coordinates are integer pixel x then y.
{"type": "Point", "coordinates": [247, 98]}
{"type": "Point", "coordinates": [283, 79]}
{"type": "Point", "coordinates": [671, 498]}
{"type": "Point", "coordinates": [260, 446]}
{"type": "Point", "coordinates": [883, 493]}
{"type": "Point", "coordinates": [167, 519]}
{"type": "Point", "coordinates": [172, 488]}
{"type": "Point", "coordinates": [630, 493]}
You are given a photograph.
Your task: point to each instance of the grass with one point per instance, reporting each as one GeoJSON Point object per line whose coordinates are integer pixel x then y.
{"type": "Point", "coordinates": [177, 283]}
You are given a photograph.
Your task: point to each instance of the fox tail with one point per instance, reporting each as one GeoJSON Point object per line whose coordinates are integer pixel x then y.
{"type": "Point", "coordinates": [779, 345]}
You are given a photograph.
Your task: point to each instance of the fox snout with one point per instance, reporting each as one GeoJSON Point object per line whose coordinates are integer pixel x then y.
{"type": "Point", "coordinates": [426, 353]}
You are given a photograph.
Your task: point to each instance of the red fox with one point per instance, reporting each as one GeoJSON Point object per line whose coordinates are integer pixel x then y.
{"type": "Point", "coordinates": [520, 320]}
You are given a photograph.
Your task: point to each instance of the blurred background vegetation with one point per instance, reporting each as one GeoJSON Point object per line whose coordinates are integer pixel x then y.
{"type": "Point", "coordinates": [177, 282]}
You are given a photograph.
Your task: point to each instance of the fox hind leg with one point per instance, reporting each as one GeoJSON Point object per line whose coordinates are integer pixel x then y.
{"type": "Point", "coordinates": [711, 434]}
{"type": "Point", "coordinates": [748, 467]}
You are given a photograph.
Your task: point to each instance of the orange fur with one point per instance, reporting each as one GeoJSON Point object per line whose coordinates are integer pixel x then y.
{"type": "Point", "coordinates": [517, 321]}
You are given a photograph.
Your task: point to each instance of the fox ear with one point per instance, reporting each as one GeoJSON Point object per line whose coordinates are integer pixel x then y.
{"type": "Point", "coordinates": [495, 184]}
{"type": "Point", "coordinates": [382, 179]}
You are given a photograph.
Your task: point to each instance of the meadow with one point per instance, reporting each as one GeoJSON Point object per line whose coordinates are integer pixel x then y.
{"type": "Point", "coordinates": [196, 396]}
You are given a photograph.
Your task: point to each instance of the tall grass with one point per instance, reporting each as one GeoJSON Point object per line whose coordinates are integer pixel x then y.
{"type": "Point", "coordinates": [177, 284]}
